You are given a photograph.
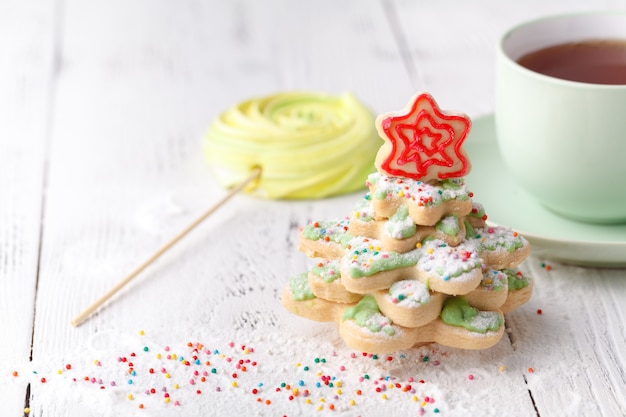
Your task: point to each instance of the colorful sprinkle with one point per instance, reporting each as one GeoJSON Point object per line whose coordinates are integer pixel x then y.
{"type": "Point", "coordinates": [187, 371]}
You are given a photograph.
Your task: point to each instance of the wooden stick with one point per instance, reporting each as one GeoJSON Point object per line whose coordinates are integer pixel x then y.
{"type": "Point", "coordinates": [78, 320]}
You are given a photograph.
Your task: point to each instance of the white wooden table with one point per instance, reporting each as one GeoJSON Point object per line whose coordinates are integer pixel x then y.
{"type": "Point", "coordinates": [103, 105]}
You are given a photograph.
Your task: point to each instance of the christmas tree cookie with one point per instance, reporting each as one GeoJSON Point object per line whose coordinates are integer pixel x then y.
{"type": "Point", "coordinates": [416, 261]}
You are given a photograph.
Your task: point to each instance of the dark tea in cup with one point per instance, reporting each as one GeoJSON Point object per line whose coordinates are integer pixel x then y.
{"type": "Point", "coordinates": [564, 141]}
{"type": "Point", "coordinates": [593, 61]}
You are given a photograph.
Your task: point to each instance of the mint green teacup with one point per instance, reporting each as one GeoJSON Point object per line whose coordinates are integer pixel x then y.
{"type": "Point", "coordinates": [563, 141]}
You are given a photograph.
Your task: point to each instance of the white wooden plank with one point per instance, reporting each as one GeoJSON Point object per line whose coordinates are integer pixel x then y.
{"type": "Point", "coordinates": [26, 53]}
{"type": "Point", "coordinates": [138, 86]}
{"type": "Point", "coordinates": [576, 345]}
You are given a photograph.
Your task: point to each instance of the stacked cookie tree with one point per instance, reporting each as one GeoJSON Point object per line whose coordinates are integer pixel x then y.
{"type": "Point", "coordinates": [415, 262]}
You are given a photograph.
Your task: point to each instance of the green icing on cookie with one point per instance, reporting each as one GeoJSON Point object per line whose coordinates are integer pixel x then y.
{"type": "Point", "coordinates": [447, 261]}
{"type": "Point", "coordinates": [367, 258]}
{"type": "Point", "coordinates": [345, 240]}
{"type": "Point", "coordinates": [517, 280]}
{"type": "Point", "coordinates": [496, 237]}
{"type": "Point", "coordinates": [457, 312]}
{"type": "Point", "coordinates": [328, 270]}
{"type": "Point", "coordinates": [409, 292]}
{"type": "Point", "coordinates": [469, 229]}
{"type": "Point", "coordinates": [478, 211]}
{"type": "Point", "coordinates": [449, 225]}
{"type": "Point", "coordinates": [424, 193]}
{"type": "Point", "coordinates": [299, 286]}
{"type": "Point", "coordinates": [451, 184]}
{"type": "Point", "coordinates": [400, 225]}
{"type": "Point", "coordinates": [493, 280]}
{"type": "Point", "coordinates": [363, 209]}
{"type": "Point", "coordinates": [330, 231]}
{"type": "Point", "coordinates": [453, 189]}
{"type": "Point", "coordinates": [367, 314]}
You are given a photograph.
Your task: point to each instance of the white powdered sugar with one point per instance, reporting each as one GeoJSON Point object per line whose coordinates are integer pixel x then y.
{"type": "Point", "coordinates": [409, 293]}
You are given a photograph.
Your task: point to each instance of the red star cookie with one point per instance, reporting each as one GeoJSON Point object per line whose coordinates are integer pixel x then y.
{"type": "Point", "coordinates": [422, 142]}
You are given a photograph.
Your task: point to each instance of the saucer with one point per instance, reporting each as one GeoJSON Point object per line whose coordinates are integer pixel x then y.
{"type": "Point", "coordinates": [506, 203]}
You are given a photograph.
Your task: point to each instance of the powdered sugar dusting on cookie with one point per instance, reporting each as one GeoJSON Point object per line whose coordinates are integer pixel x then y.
{"type": "Point", "coordinates": [363, 209]}
{"type": "Point", "coordinates": [497, 237]}
{"type": "Point", "coordinates": [329, 231]}
{"type": "Point", "coordinates": [367, 314]}
{"type": "Point", "coordinates": [478, 211]}
{"type": "Point", "coordinates": [516, 279]}
{"type": "Point", "coordinates": [485, 321]}
{"type": "Point", "coordinates": [377, 322]}
{"type": "Point", "coordinates": [409, 293]}
{"type": "Point", "coordinates": [421, 192]}
{"type": "Point", "coordinates": [300, 289]}
{"type": "Point", "coordinates": [447, 261]}
{"type": "Point", "coordinates": [494, 280]}
{"type": "Point", "coordinates": [365, 258]}
{"type": "Point", "coordinates": [328, 270]}
{"type": "Point", "coordinates": [457, 312]}
{"type": "Point", "coordinates": [449, 225]}
{"type": "Point", "coordinates": [400, 225]}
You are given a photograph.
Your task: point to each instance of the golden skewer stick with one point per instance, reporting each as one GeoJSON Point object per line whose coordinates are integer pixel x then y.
{"type": "Point", "coordinates": [78, 320]}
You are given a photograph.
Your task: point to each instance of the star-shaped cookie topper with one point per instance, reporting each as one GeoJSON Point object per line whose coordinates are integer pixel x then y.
{"type": "Point", "coordinates": [422, 142]}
